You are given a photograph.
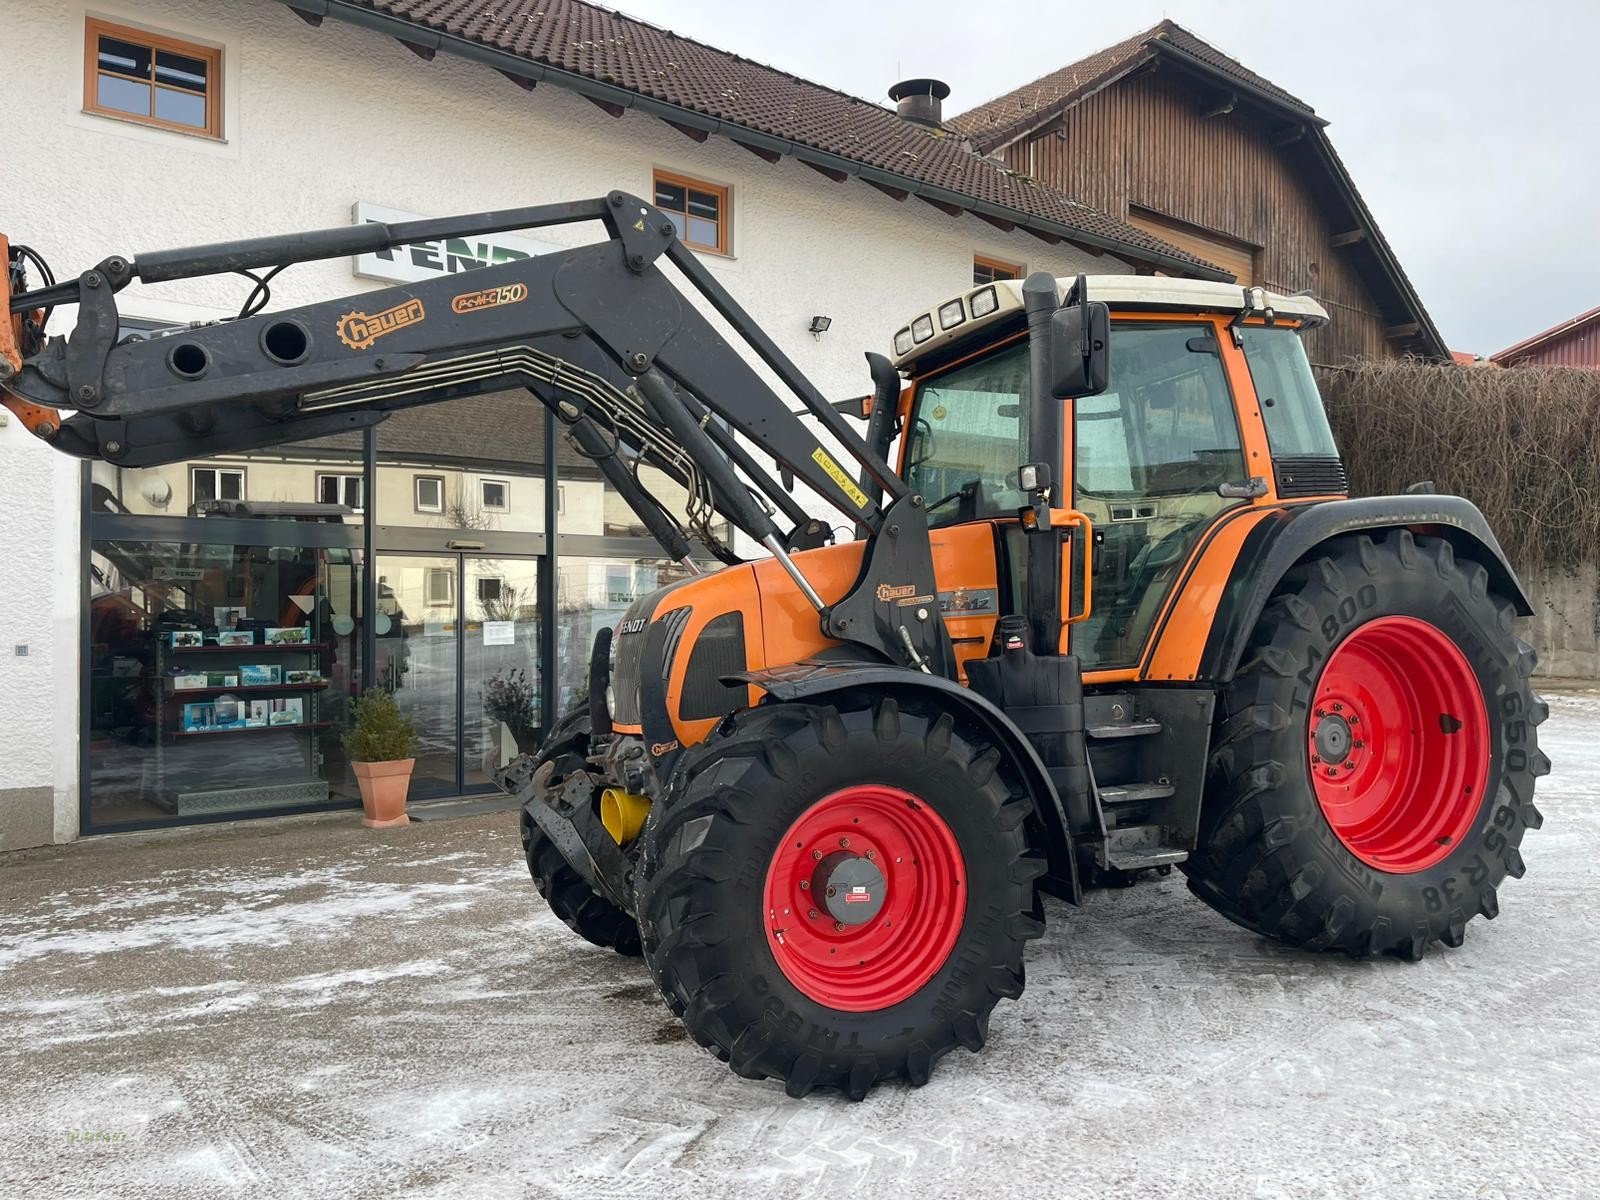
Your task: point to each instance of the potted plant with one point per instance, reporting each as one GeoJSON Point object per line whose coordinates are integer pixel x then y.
{"type": "Point", "coordinates": [380, 744]}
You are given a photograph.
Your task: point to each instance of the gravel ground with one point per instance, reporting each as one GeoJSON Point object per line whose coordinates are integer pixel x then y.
{"type": "Point", "coordinates": [309, 1009]}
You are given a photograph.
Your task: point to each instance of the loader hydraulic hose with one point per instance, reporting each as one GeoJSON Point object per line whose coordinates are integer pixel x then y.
{"type": "Point", "coordinates": [595, 446]}
{"type": "Point", "coordinates": [672, 412]}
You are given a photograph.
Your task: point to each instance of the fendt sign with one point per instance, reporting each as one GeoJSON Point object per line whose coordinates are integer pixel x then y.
{"type": "Point", "coordinates": [428, 260]}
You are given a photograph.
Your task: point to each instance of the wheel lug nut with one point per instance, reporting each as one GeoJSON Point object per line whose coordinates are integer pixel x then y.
{"type": "Point", "coordinates": [872, 856]}
{"type": "Point", "coordinates": [1315, 758]}
{"type": "Point", "coordinates": [832, 892]}
{"type": "Point", "coordinates": [1338, 708]}
{"type": "Point", "coordinates": [845, 842]}
{"type": "Point", "coordinates": [813, 914]}
{"type": "Point", "coordinates": [805, 885]}
{"type": "Point", "coordinates": [838, 926]}
{"type": "Point", "coordinates": [1320, 713]}
{"type": "Point", "coordinates": [816, 854]}
{"type": "Point", "coordinates": [1332, 771]}
{"type": "Point", "coordinates": [1350, 764]}
{"type": "Point", "coordinates": [1357, 744]}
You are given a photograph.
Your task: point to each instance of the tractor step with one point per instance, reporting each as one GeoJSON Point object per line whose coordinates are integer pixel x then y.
{"type": "Point", "coordinates": [1123, 729]}
{"type": "Point", "coordinates": [1138, 848]}
{"type": "Point", "coordinates": [1127, 793]}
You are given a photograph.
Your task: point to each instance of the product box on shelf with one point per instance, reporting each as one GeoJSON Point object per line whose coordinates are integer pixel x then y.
{"type": "Point", "coordinates": [262, 675]}
{"type": "Point", "coordinates": [287, 712]}
{"type": "Point", "coordinates": [298, 636]}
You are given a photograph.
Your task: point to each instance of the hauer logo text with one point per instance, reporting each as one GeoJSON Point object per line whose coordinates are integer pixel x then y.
{"type": "Point", "coordinates": [358, 330]}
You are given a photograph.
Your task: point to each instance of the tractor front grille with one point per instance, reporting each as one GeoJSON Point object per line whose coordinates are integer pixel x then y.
{"type": "Point", "coordinates": [1310, 475]}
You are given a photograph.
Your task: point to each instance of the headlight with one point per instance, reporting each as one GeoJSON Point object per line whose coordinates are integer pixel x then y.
{"type": "Point", "coordinates": [611, 701]}
{"type": "Point", "coordinates": [922, 328]}
{"type": "Point", "coordinates": [951, 315]}
{"type": "Point", "coordinates": [902, 341]}
{"type": "Point", "coordinates": [983, 303]}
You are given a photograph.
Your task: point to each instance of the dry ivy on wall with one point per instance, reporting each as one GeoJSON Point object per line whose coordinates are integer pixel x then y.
{"type": "Point", "coordinates": [1522, 444]}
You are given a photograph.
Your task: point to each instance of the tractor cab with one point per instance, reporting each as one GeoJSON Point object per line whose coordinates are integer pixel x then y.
{"type": "Point", "coordinates": [1208, 406]}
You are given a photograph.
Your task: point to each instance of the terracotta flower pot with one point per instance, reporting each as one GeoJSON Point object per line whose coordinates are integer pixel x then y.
{"type": "Point", "coordinates": [384, 786]}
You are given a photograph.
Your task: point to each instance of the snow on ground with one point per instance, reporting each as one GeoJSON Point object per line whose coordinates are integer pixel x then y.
{"type": "Point", "coordinates": [309, 1009]}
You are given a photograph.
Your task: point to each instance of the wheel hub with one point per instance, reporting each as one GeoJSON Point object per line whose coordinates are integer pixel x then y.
{"type": "Point", "coordinates": [851, 886]}
{"type": "Point", "coordinates": [1331, 737]}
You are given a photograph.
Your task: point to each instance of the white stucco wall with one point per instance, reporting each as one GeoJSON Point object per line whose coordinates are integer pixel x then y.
{"type": "Point", "coordinates": [317, 119]}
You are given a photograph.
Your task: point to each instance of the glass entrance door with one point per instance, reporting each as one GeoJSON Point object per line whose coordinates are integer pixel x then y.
{"type": "Point", "coordinates": [458, 639]}
{"type": "Point", "coordinates": [500, 681]}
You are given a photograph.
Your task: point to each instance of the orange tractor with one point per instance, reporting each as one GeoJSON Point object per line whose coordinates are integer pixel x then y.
{"type": "Point", "coordinates": [1108, 611]}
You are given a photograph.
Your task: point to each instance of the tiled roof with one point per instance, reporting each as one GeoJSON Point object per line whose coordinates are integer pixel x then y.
{"type": "Point", "coordinates": [596, 44]}
{"type": "Point", "coordinates": [998, 121]}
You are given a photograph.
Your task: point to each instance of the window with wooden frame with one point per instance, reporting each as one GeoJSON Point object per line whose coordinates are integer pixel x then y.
{"type": "Point", "coordinates": [702, 212]}
{"type": "Point", "coordinates": [987, 270]}
{"type": "Point", "coordinates": [150, 79]}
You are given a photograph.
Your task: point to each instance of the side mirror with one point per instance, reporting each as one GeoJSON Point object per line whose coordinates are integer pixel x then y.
{"type": "Point", "coordinates": [1080, 350]}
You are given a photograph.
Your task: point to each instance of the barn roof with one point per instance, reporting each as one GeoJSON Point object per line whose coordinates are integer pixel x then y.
{"type": "Point", "coordinates": [1001, 121]}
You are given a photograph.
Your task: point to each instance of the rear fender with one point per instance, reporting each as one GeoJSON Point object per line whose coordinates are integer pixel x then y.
{"type": "Point", "coordinates": [1289, 535]}
{"type": "Point", "coordinates": [813, 681]}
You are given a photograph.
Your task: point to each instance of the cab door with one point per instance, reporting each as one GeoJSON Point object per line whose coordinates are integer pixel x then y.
{"type": "Point", "coordinates": [1148, 457]}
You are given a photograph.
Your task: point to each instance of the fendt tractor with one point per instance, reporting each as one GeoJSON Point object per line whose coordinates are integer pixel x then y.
{"type": "Point", "coordinates": [1109, 612]}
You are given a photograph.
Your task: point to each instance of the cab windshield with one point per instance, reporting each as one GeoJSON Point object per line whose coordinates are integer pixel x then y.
{"type": "Point", "coordinates": [966, 438]}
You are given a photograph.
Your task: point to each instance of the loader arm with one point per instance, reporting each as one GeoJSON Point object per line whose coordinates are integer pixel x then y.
{"type": "Point", "coordinates": [598, 333]}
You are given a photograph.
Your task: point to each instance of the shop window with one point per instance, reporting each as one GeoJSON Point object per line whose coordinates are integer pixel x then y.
{"type": "Point", "coordinates": [341, 489]}
{"type": "Point", "coordinates": [132, 75]}
{"type": "Point", "coordinates": [429, 492]}
{"type": "Point", "coordinates": [699, 211]}
{"type": "Point", "coordinates": [987, 270]}
{"type": "Point", "coordinates": [215, 483]}
{"type": "Point", "coordinates": [493, 494]}
{"type": "Point", "coordinates": [440, 587]}
{"type": "Point", "coordinates": [219, 678]}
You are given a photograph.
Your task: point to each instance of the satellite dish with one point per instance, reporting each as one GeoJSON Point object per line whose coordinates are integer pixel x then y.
{"type": "Point", "coordinates": [156, 491]}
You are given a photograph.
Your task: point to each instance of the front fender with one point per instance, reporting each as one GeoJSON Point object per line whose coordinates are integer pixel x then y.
{"type": "Point", "coordinates": [1287, 535]}
{"type": "Point", "coordinates": [809, 681]}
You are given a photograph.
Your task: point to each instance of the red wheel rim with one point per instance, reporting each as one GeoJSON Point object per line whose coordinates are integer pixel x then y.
{"type": "Point", "coordinates": [845, 840]}
{"type": "Point", "coordinates": [1398, 742]}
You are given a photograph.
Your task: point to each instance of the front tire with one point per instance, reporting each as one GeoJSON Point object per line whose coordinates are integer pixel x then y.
{"type": "Point", "coordinates": [837, 895]}
{"type": "Point", "coordinates": [1375, 757]}
{"type": "Point", "coordinates": [583, 910]}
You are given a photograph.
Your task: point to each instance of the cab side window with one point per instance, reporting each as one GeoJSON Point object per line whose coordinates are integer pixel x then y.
{"type": "Point", "coordinates": [1149, 455]}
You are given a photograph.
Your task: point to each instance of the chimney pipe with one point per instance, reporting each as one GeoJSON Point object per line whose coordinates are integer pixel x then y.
{"type": "Point", "coordinates": [919, 100]}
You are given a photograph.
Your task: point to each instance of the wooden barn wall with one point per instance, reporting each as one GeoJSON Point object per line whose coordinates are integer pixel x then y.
{"type": "Point", "coordinates": [1143, 142]}
{"type": "Point", "coordinates": [1581, 348]}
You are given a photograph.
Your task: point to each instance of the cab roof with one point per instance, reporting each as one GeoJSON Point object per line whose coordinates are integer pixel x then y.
{"type": "Point", "coordinates": [958, 319]}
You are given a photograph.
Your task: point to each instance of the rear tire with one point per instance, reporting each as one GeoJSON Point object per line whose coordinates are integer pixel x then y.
{"type": "Point", "coordinates": [1385, 836]}
{"type": "Point", "coordinates": [841, 999]}
{"type": "Point", "coordinates": [582, 909]}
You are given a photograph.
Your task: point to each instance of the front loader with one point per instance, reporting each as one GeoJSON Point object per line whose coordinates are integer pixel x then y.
{"type": "Point", "coordinates": [1107, 611]}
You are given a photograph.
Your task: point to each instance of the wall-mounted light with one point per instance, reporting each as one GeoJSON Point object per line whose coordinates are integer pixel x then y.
{"type": "Point", "coordinates": [819, 326]}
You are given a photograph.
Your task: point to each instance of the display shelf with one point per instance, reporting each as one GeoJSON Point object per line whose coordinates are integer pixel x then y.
{"type": "Point", "coordinates": [251, 689]}
{"type": "Point", "coordinates": [255, 648]}
{"type": "Point", "coordinates": [209, 733]}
